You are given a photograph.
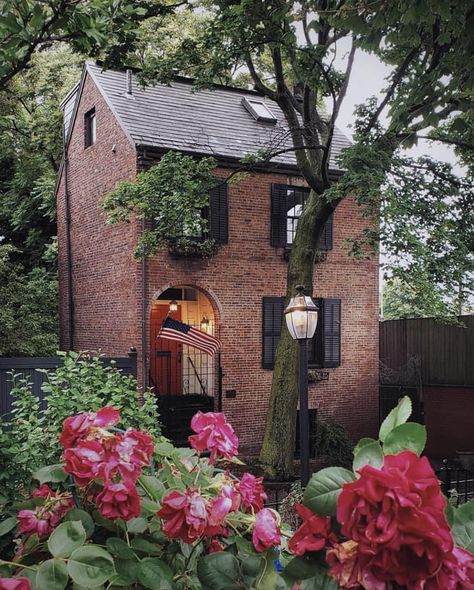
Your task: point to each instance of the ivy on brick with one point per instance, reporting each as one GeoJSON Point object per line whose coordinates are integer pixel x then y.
{"type": "Point", "coordinates": [173, 196]}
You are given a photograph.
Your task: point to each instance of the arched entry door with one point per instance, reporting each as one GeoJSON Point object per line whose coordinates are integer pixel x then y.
{"type": "Point", "coordinates": [177, 369]}
{"type": "Point", "coordinates": [185, 378]}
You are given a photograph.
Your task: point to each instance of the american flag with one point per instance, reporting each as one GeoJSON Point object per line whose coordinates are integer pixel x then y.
{"type": "Point", "coordinates": [172, 329]}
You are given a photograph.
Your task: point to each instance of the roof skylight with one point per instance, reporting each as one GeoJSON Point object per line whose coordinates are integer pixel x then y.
{"type": "Point", "coordinates": [258, 109]}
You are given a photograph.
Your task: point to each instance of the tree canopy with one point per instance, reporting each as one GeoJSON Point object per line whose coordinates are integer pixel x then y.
{"type": "Point", "coordinates": [289, 52]}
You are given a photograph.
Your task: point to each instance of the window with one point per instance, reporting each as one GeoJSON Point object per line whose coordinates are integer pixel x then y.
{"type": "Point", "coordinates": [217, 217]}
{"type": "Point", "coordinates": [259, 110]}
{"type": "Point", "coordinates": [286, 207]}
{"type": "Point", "coordinates": [90, 134]}
{"type": "Point", "coordinates": [324, 349]}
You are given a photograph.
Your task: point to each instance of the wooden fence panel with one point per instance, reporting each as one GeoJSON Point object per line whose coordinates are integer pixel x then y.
{"type": "Point", "coordinates": [445, 351]}
{"type": "Point", "coordinates": [26, 367]}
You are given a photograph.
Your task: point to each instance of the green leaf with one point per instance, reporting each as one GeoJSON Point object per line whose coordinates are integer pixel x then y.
{"type": "Point", "coordinates": [51, 473]}
{"type": "Point", "coordinates": [127, 572]}
{"type": "Point", "coordinates": [324, 489]}
{"type": "Point", "coordinates": [369, 454]}
{"type": "Point", "coordinates": [137, 525]}
{"type": "Point", "coordinates": [67, 537]}
{"type": "Point", "coordinates": [219, 571]}
{"type": "Point", "coordinates": [84, 517]}
{"type": "Point", "coordinates": [79, 587]}
{"type": "Point", "coordinates": [144, 546]}
{"type": "Point", "coordinates": [397, 416]}
{"type": "Point", "coordinates": [321, 581]}
{"type": "Point", "coordinates": [155, 574]}
{"type": "Point", "coordinates": [463, 526]}
{"type": "Point", "coordinates": [153, 486]}
{"type": "Point", "coordinates": [165, 449]}
{"type": "Point", "coordinates": [304, 567]}
{"type": "Point", "coordinates": [119, 548]}
{"type": "Point", "coordinates": [406, 437]}
{"type": "Point", "coordinates": [90, 566]}
{"type": "Point", "coordinates": [52, 575]}
{"type": "Point", "coordinates": [362, 443]}
{"type": "Point", "coordinates": [8, 525]}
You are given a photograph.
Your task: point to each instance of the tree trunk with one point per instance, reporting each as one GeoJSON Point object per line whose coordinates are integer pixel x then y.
{"type": "Point", "coordinates": [276, 456]}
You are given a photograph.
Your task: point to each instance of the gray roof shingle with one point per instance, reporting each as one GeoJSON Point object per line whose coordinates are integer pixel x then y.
{"type": "Point", "coordinates": [210, 121]}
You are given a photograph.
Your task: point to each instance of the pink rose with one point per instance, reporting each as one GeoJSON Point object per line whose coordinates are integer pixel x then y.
{"type": "Point", "coordinates": [77, 427]}
{"type": "Point", "coordinates": [214, 434]}
{"type": "Point", "coordinates": [119, 500]}
{"type": "Point", "coordinates": [84, 461]}
{"type": "Point", "coordinates": [15, 584]}
{"type": "Point", "coordinates": [219, 508]}
{"type": "Point", "coordinates": [185, 515]}
{"type": "Point", "coordinates": [396, 515]}
{"type": "Point", "coordinates": [266, 532]}
{"type": "Point", "coordinates": [312, 535]}
{"type": "Point", "coordinates": [252, 491]}
{"type": "Point", "coordinates": [43, 519]}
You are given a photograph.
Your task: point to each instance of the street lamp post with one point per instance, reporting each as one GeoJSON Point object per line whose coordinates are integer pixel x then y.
{"type": "Point", "coordinates": [301, 318]}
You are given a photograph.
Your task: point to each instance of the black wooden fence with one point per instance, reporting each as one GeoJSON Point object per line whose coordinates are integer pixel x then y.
{"type": "Point", "coordinates": [27, 368]}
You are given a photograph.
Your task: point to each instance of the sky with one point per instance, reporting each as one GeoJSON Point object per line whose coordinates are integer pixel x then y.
{"type": "Point", "coordinates": [368, 79]}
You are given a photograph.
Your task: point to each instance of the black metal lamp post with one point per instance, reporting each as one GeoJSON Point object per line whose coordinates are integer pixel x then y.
{"type": "Point", "coordinates": [301, 318]}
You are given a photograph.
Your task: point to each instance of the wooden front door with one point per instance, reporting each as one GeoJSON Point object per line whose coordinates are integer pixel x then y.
{"type": "Point", "coordinates": [166, 356]}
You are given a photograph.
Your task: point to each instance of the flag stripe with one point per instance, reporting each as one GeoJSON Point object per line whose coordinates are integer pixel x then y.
{"type": "Point", "coordinates": [179, 332]}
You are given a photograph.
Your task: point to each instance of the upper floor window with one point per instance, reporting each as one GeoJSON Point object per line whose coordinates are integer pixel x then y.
{"type": "Point", "coordinates": [286, 207]}
{"type": "Point", "coordinates": [90, 128]}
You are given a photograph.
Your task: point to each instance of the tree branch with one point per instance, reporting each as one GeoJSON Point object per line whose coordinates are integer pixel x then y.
{"type": "Point", "coordinates": [397, 77]}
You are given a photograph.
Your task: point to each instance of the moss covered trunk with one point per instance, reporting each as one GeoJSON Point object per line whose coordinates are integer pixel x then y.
{"type": "Point", "coordinates": [277, 451]}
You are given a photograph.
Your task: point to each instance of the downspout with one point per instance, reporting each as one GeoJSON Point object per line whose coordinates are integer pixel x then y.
{"type": "Point", "coordinates": [144, 317]}
{"type": "Point", "coordinates": [67, 205]}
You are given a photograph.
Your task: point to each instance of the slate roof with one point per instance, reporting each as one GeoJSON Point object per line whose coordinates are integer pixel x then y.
{"type": "Point", "coordinates": [210, 122]}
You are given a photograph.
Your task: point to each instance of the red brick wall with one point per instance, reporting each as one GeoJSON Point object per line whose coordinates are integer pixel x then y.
{"type": "Point", "coordinates": [105, 275]}
{"type": "Point", "coordinates": [249, 268]}
{"type": "Point", "coordinates": [107, 291]}
{"type": "Point", "coordinates": [448, 419]}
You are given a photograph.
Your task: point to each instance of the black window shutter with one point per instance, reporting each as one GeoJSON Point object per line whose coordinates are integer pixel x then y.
{"type": "Point", "coordinates": [316, 347]}
{"type": "Point", "coordinates": [278, 214]}
{"type": "Point", "coordinates": [332, 332]}
{"type": "Point", "coordinates": [272, 317]}
{"type": "Point", "coordinates": [325, 239]}
{"type": "Point", "coordinates": [218, 214]}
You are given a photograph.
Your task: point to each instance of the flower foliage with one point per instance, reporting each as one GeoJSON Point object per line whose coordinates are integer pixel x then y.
{"type": "Point", "coordinates": [385, 526]}
{"type": "Point", "coordinates": [154, 516]}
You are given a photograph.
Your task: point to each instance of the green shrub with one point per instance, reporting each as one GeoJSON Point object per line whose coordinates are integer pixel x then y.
{"type": "Point", "coordinates": [29, 438]}
{"type": "Point", "coordinates": [333, 445]}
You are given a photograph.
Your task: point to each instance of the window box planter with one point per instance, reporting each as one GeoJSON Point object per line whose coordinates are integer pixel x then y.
{"type": "Point", "coordinates": [192, 249]}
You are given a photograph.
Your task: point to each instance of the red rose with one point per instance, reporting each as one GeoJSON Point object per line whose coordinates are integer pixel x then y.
{"type": "Point", "coordinates": [119, 500]}
{"type": "Point", "coordinates": [252, 491]}
{"type": "Point", "coordinates": [85, 461]}
{"type": "Point", "coordinates": [128, 453]}
{"type": "Point", "coordinates": [185, 515]}
{"type": "Point", "coordinates": [344, 565]}
{"type": "Point", "coordinates": [215, 546]}
{"type": "Point", "coordinates": [396, 515]}
{"type": "Point", "coordinates": [77, 427]}
{"type": "Point", "coordinates": [456, 573]}
{"type": "Point", "coordinates": [44, 491]}
{"type": "Point", "coordinates": [312, 535]}
{"type": "Point", "coordinates": [15, 584]}
{"type": "Point", "coordinates": [266, 532]}
{"type": "Point", "coordinates": [214, 434]}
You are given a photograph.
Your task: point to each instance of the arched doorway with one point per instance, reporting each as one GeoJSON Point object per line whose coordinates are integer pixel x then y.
{"type": "Point", "coordinates": [184, 378]}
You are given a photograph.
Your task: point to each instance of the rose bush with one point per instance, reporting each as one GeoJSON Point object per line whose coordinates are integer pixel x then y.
{"type": "Point", "coordinates": [121, 512]}
{"type": "Point", "coordinates": [385, 525]}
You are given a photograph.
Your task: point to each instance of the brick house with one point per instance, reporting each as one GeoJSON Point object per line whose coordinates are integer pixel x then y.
{"type": "Point", "coordinates": [111, 301]}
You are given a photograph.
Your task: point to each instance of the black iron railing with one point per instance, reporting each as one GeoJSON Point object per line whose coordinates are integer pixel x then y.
{"type": "Point", "coordinates": [457, 483]}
